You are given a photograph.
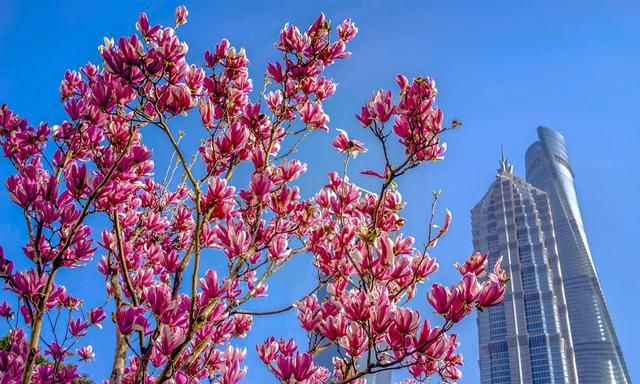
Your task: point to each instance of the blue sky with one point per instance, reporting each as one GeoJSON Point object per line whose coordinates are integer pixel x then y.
{"type": "Point", "coordinates": [502, 68]}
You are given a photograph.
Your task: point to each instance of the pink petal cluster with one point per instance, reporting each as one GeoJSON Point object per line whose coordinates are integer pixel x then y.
{"type": "Point", "coordinates": [418, 123]}
{"type": "Point", "coordinates": [91, 196]}
{"type": "Point", "coordinates": [456, 302]}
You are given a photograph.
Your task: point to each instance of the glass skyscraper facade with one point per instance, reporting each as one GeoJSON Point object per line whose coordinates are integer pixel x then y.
{"type": "Point", "coordinates": [597, 352]}
{"type": "Point", "coordinates": [526, 339]}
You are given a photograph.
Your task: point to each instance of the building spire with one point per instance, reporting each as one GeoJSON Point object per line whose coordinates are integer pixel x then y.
{"type": "Point", "coordinates": [505, 166]}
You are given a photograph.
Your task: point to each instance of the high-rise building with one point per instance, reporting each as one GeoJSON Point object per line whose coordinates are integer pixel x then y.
{"type": "Point", "coordinates": [525, 339]}
{"type": "Point", "coordinates": [598, 356]}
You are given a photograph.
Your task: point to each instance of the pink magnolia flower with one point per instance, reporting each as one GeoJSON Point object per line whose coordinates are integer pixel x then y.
{"type": "Point", "coordinates": [355, 342]}
{"type": "Point", "coordinates": [499, 275]}
{"type": "Point", "coordinates": [309, 313]}
{"type": "Point", "coordinates": [76, 180]}
{"type": "Point", "coordinates": [469, 288]}
{"type": "Point", "coordinates": [242, 324]}
{"type": "Point", "coordinates": [283, 368]}
{"type": "Point", "coordinates": [333, 327]}
{"type": "Point", "coordinates": [232, 373]}
{"type": "Point", "coordinates": [365, 117]}
{"type": "Point", "coordinates": [287, 347]}
{"type": "Point", "coordinates": [234, 239]}
{"type": "Point", "coordinates": [176, 99]}
{"type": "Point", "coordinates": [344, 145]}
{"type": "Point", "coordinates": [384, 247]}
{"type": "Point", "coordinates": [355, 305]}
{"type": "Point", "coordinates": [26, 314]}
{"type": "Point", "coordinates": [5, 310]}
{"type": "Point", "coordinates": [423, 265]}
{"type": "Point", "coordinates": [23, 191]}
{"type": "Point", "coordinates": [279, 247]}
{"type": "Point", "coordinates": [209, 286]}
{"type": "Point", "coordinates": [131, 319]}
{"type": "Point", "coordinates": [318, 28]}
{"type": "Point", "coordinates": [170, 339]}
{"type": "Point", "coordinates": [381, 106]}
{"type": "Point", "coordinates": [322, 87]}
{"type": "Point", "coordinates": [268, 350]}
{"type": "Point", "coordinates": [476, 263]}
{"type": "Point", "coordinates": [143, 26]}
{"type": "Point", "coordinates": [292, 40]}
{"type": "Point", "coordinates": [402, 81]}
{"type": "Point", "coordinates": [382, 314]}
{"type": "Point", "coordinates": [169, 261]}
{"type": "Point", "coordinates": [194, 79]}
{"type": "Point", "coordinates": [447, 221]}
{"type": "Point", "coordinates": [78, 327]}
{"type": "Point", "coordinates": [492, 293]}
{"type": "Point", "coordinates": [96, 316]}
{"type": "Point", "coordinates": [440, 298]}
{"type": "Point", "coordinates": [406, 321]}
{"type": "Point", "coordinates": [6, 266]}
{"type": "Point", "coordinates": [207, 111]}
{"type": "Point", "coordinates": [275, 102]}
{"type": "Point", "coordinates": [28, 283]}
{"type": "Point", "coordinates": [312, 114]}
{"type": "Point", "coordinates": [302, 366]}
{"type": "Point", "coordinates": [347, 30]}
{"type": "Point", "coordinates": [57, 352]}
{"type": "Point", "coordinates": [159, 298]}
{"type": "Point", "coordinates": [276, 72]}
{"type": "Point", "coordinates": [181, 15]}
{"type": "Point", "coordinates": [86, 353]}
{"type": "Point", "coordinates": [219, 199]}
{"type": "Point", "coordinates": [460, 307]}
{"type": "Point", "coordinates": [260, 185]}
{"type": "Point", "coordinates": [337, 50]}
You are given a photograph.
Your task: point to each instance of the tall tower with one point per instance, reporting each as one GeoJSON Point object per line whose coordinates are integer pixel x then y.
{"type": "Point", "coordinates": [526, 339]}
{"type": "Point", "coordinates": [598, 356]}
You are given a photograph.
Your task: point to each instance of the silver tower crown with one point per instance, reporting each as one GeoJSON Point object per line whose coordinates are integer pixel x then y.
{"type": "Point", "coordinates": [505, 166]}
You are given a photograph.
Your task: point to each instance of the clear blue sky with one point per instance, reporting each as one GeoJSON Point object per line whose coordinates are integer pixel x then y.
{"type": "Point", "coordinates": [503, 68]}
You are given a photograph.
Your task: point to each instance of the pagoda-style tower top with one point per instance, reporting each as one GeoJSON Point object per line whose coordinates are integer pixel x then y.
{"type": "Point", "coordinates": [505, 166]}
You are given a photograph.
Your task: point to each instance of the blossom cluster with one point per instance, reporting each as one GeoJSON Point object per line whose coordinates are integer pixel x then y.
{"type": "Point", "coordinates": [176, 321]}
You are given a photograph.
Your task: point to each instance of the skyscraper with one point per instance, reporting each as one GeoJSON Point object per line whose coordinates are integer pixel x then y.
{"type": "Point", "coordinates": [526, 339]}
{"type": "Point", "coordinates": [598, 356]}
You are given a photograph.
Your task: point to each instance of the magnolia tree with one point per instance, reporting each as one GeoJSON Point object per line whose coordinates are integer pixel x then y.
{"type": "Point", "coordinates": [175, 321]}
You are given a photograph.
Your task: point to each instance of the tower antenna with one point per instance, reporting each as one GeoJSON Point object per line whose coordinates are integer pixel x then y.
{"type": "Point", "coordinates": [505, 167]}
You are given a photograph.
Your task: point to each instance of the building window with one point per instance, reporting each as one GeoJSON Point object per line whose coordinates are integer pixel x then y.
{"type": "Point", "coordinates": [540, 369]}
{"type": "Point", "coordinates": [499, 353]}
